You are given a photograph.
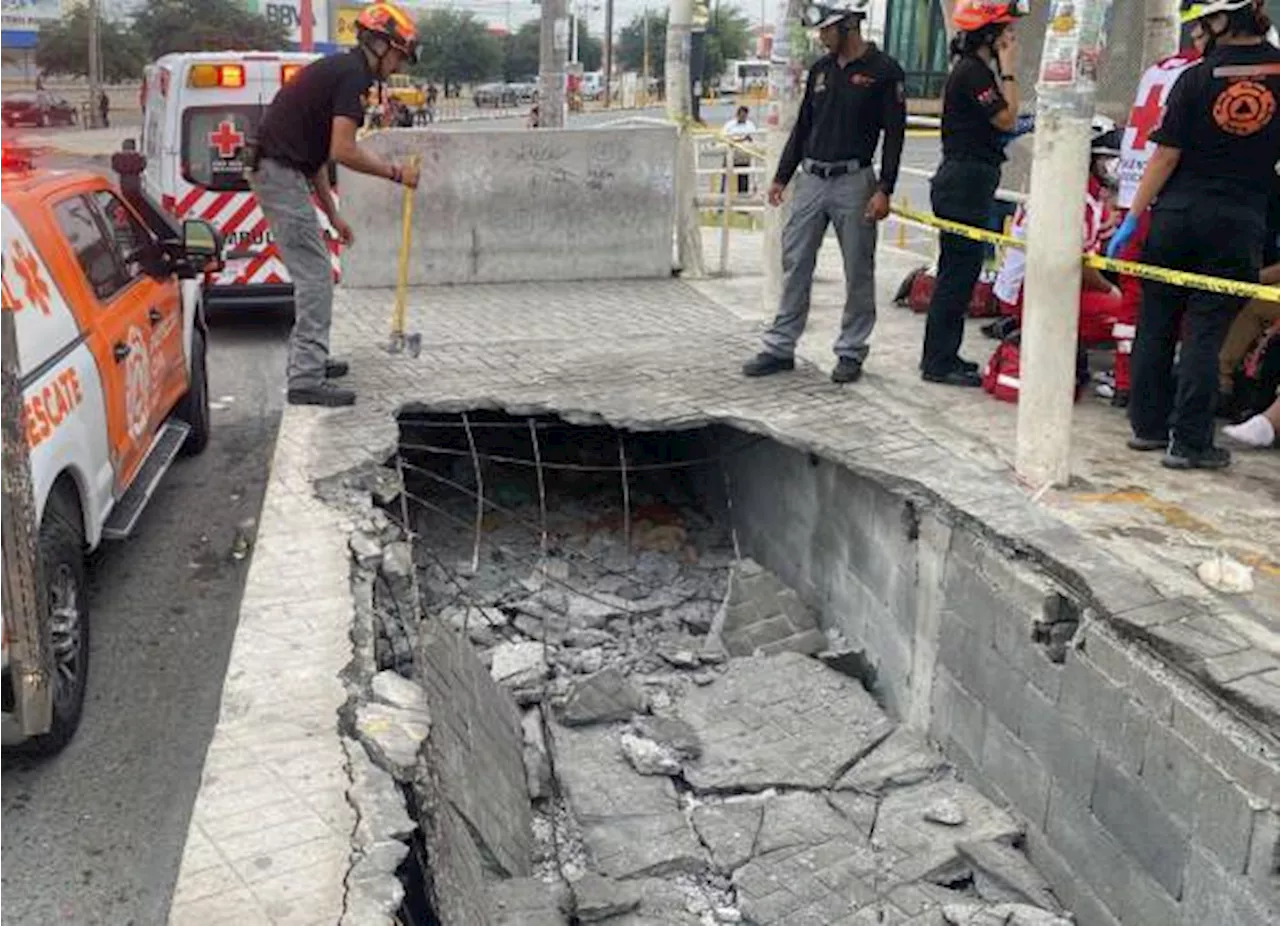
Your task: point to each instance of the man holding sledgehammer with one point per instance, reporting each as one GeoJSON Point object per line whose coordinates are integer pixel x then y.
{"type": "Point", "coordinates": [311, 124]}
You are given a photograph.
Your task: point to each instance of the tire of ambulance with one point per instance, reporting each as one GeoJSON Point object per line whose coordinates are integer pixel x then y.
{"type": "Point", "coordinates": [193, 408]}
{"type": "Point", "coordinates": [66, 604]}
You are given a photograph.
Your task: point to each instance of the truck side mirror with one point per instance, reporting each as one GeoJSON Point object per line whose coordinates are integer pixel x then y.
{"type": "Point", "coordinates": [201, 240]}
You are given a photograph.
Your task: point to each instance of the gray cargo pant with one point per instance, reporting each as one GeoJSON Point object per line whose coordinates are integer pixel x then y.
{"type": "Point", "coordinates": [841, 201]}
{"type": "Point", "coordinates": [285, 197]}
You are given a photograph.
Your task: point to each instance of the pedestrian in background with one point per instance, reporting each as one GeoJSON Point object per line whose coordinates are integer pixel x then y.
{"type": "Point", "coordinates": [104, 109]}
{"type": "Point", "coordinates": [853, 95]}
{"type": "Point", "coordinates": [1216, 150]}
{"type": "Point", "coordinates": [311, 123]}
{"type": "Point", "coordinates": [979, 107]}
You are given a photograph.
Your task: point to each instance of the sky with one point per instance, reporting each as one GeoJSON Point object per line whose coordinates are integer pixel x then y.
{"type": "Point", "coordinates": [519, 11]}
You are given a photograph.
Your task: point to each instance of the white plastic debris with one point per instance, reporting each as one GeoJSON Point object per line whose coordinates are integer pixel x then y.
{"type": "Point", "coordinates": [1226, 575]}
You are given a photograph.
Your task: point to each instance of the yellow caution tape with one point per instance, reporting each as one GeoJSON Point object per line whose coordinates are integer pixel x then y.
{"type": "Point", "coordinates": [1129, 268]}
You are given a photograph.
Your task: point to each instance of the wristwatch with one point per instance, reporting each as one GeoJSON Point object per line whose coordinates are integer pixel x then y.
{"type": "Point", "coordinates": [1009, 77]}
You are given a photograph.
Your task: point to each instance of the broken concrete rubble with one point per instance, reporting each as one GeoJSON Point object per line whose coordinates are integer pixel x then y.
{"type": "Point", "coordinates": [527, 902]}
{"type": "Point", "coordinates": [604, 697]}
{"type": "Point", "coordinates": [1005, 914]}
{"type": "Point", "coordinates": [763, 615]}
{"type": "Point", "coordinates": [1002, 874]}
{"type": "Point", "coordinates": [537, 764]}
{"type": "Point", "coordinates": [597, 898]}
{"type": "Point", "coordinates": [519, 665]}
{"type": "Point", "coordinates": [648, 757]}
{"type": "Point", "coordinates": [393, 736]}
{"type": "Point", "coordinates": [905, 758]}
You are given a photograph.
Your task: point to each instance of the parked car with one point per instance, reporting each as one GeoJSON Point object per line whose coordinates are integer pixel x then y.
{"type": "Point", "coordinates": [36, 108]}
{"type": "Point", "coordinates": [525, 91]}
{"type": "Point", "coordinates": [495, 95]}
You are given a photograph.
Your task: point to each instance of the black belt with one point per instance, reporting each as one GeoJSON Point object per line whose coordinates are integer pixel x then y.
{"type": "Point", "coordinates": [827, 171]}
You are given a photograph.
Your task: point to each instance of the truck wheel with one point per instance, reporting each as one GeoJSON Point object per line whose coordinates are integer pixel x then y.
{"type": "Point", "coordinates": [66, 602]}
{"type": "Point", "coordinates": [193, 408]}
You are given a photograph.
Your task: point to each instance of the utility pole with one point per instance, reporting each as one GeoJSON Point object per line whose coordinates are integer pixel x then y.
{"type": "Point", "coordinates": [644, 66]}
{"type": "Point", "coordinates": [573, 28]}
{"type": "Point", "coordinates": [30, 648]}
{"type": "Point", "coordinates": [608, 53]}
{"type": "Point", "coordinates": [679, 90]}
{"type": "Point", "coordinates": [786, 89]}
{"type": "Point", "coordinates": [1065, 95]}
{"type": "Point", "coordinates": [552, 50]}
{"type": "Point", "coordinates": [95, 63]}
{"type": "Point", "coordinates": [1160, 39]}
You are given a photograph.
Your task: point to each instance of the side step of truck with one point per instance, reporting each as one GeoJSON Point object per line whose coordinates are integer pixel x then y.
{"type": "Point", "coordinates": [134, 501]}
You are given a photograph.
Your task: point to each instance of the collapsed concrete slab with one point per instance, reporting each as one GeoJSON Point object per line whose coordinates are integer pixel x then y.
{"type": "Point", "coordinates": [905, 758]}
{"type": "Point", "coordinates": [779, 721]}
{"type": "Point", "coordinates": [472, 782]}
{"type": "Point", "coordinates": [632, 824]}
{"type": "Point", "coordinates": [763, 615]}
{"type": "Point", "coordinates": [1002, 874]}
{"type": "Point", "coordinates": [527, 902]}
{"type": "Point", "coordinates": [604, 697]}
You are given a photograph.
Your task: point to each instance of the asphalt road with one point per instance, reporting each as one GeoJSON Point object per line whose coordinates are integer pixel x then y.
{"type": "Point", "coordinates": [95, 835]}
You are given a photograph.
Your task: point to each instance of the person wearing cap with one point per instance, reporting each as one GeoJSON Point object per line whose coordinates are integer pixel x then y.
{"type": "Point", "coordinates": [853, 96]}
{"type": "Point", "coordinates": [1208, 179]}
{"type": "Point", "coordinates": [311, 124]}
{"type": "Point", "coordinates": [979, 108]}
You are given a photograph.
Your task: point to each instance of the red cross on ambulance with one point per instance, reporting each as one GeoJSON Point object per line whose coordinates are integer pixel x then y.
{"type": "Point", "coordinates": [226, 139]}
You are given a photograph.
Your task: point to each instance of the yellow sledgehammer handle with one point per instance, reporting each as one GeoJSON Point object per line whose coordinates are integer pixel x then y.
{"type": "Point", "coordinates": [402, 267]}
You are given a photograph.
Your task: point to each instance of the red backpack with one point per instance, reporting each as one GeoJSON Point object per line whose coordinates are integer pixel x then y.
{"type": "Point", "coordinates": [1002, 376]}
{"type": "Point", "coordinates": [916, 292]}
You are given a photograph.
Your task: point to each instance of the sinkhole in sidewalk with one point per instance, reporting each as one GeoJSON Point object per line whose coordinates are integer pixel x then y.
{"type": "Point", "coordinates": [675, 677]}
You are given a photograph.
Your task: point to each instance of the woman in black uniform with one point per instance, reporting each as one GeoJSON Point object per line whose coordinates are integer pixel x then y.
{"type": "Point", "coordinates": [979, 107]}
{"type": "Point", "coordinates": [1212, 170]}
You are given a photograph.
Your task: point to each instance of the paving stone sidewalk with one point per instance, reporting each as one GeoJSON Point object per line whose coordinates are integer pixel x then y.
{"type": "Point", "coordinates": [271, 827]}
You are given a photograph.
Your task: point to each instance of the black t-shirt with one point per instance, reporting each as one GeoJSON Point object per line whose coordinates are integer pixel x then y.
{"type": "Point", "coordinates": [843, 112]}
{"type": "Point", "coordinates": [1221, 115]}
{"type": "Point", "coordinates": [969, 100]}
{"type": "Point", "coordinates": [296, 129]}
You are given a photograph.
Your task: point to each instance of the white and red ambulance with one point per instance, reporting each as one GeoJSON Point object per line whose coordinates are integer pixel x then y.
{"type": "Point", "coordinates": [199, 111]}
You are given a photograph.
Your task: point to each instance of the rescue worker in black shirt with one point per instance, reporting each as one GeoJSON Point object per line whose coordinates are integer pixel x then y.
{"type": "Point", "coordinates": [1209, 178]}
{"type": "Point", "coordinates": [979, 109]}
{"type": "Point", "coordinates": [852, 96]}
{"type": "Point", "coordinates": [310, 124]}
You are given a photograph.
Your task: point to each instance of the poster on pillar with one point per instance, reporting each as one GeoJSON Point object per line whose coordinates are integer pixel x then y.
{"type": "Point", "coordinates": [289, 14]}
{"type": "Point", "coordinates": [1074, 41]}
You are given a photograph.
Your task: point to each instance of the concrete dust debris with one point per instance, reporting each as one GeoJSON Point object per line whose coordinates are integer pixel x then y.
{"type": "Point", "coordinates": [647, 757]}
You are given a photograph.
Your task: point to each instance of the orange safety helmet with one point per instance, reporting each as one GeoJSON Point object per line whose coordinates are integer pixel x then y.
{"type": "Point", "coordinates": [388, 21]}
{"type": "Point", "coordinates": [972, 15]}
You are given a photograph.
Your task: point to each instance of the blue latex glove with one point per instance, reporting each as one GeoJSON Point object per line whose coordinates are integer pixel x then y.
{"type": "Point", "coordinates": [1122, 234]}
{"type": "Point", "coordinates": [1022, 126]}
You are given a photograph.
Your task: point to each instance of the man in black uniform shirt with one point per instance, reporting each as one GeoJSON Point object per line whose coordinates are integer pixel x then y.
{"type": "Point", "coordinates": [853, 94]}
{"type": "Point", "coordinates": [1217, 147]}
{"type": "Point", "coordinates": [312, 122]}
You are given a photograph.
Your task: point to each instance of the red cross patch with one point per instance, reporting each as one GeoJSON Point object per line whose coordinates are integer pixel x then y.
{"type": "Point", "coordinates": [226, 139]}
{"type": "Point", "coordinates": [1146, 117]}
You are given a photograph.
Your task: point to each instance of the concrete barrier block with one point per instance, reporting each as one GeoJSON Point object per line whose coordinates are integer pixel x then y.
{"type": "Point", "coordinates": [1252, 762]}
{"type": "Point", "coordinates": [1001, 688]}
{"type": "Point", "coordinates": [1146, 679]}
{"type": "Point", "coordinates": [1146, 902]}
{"type": "Point", "coordinates": [1173, 772]}
{"type": "Point", "coordinates": [1010, 766]}
{"type": "Point", "coordinates": [505, 206]}
{"type": "Point", "coordinates": [1152, 835]}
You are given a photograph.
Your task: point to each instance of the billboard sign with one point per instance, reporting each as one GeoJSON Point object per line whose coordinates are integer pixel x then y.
{"type": "Point", "coordinates": [289, 12]}
{"type": "Point", "coordinates": [344, 25]}
{"type": "Point", "coordinates": [29, 15]}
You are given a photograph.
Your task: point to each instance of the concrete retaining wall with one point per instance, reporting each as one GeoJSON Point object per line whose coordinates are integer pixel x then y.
{"type": "Point", "coordinates": [1145, 804]}
{"type": "Point", "coordinates": [516, 206]}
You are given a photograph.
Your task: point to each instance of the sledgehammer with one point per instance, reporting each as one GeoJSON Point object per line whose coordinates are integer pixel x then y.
{"type": "Point", "coordinates": [400, 342]}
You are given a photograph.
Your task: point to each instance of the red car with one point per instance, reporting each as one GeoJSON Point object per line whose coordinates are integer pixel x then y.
{"type": "Point", "coordinates": [38, 107]}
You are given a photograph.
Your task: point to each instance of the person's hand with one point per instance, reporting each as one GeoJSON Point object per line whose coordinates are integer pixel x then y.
{"type": "Point", "coordinates": [1007, 51]}
{"type": "Point", "coordinates": [877, 207]}
{"type": "Point", "coordinates": [342, 229]}
{"type": "Point", "coordinates": [409, 175]}
{"type": "Point", "coordinates": [775, 193]}
{"type": "Point", "coordinates": [1123, 234]}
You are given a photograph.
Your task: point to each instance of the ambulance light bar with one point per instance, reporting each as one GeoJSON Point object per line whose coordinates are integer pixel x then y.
{"type": "Point", "coordinates": [206, 76]}
{"type": "Point", "coordinates": [288, 72]}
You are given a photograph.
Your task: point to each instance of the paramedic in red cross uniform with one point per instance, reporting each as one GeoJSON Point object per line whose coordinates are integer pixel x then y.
{"type": "Point", "coordinates": [312, 122]}
{"type": "Point", "coordinates": [1212, 169]}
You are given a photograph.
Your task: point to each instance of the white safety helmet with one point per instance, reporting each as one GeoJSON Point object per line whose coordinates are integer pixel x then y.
{"type": "Point", "coordinates": [1104, 138]}
{"type": "Point", "coordinates": [821, 15]}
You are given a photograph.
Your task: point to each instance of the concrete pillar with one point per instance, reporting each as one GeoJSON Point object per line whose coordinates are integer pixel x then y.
{"type": "Point", "coordinates": [1163, 28]}
{"type": "Point", "coordinates": [552, 52]}
{"type": "Point", "coordinates": [786, 89]}
{"type": "Point", "coordinates": [679, 93]}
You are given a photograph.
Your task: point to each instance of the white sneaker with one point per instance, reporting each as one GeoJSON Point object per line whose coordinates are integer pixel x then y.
{"type": "Point", "coordinates": [1253, 432]}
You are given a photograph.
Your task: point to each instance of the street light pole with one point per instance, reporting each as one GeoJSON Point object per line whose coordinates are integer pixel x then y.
{"type": "Point", "coordinates": [679, 88]}
{"type": "Point", "coordinates": [608, 53]}
{"type": "Point", "coordinates": [1065, 95]}
{"type": "Point", "coordinates": [95, 63]}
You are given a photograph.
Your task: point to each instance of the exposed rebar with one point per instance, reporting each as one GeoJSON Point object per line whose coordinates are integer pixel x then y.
{"type": "Point", "coordinates": [475, 462]}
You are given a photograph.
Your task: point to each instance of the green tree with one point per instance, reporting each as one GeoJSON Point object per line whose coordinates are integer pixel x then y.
{"type": "Point", "coordinates": [590, 48]}
{"type": "Point", "coordinates": [455, 47]}
{"type": "Point", "coordinates": [62, 47]}
{"type": "Point", "coordinates": [630, 50]}
{"type": "Point", "coordinates": [520, 52]}
{"type": "Point", "coordinates": [166, 26]}
{"type": "Point", "coordinates": [728, 37]}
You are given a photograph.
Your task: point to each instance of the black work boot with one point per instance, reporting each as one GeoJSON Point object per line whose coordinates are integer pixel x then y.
{"type": "Point", "coordinates": [335, 369]}
{"type": "Point", "coordinates": [765, 364]}
{"type": "Point", "coordinates": [1145, 444]}
{"type": "Point", "coordinates": [326, 394]}
{"type": "Point", "coordinates": [848, 370]}
{"type": "Point", "coordinates": [957, 376]}
{"type": "Point", "coordinates": [1178, 457]}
